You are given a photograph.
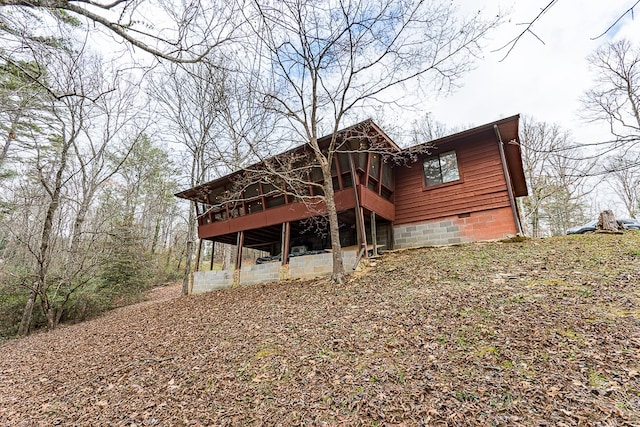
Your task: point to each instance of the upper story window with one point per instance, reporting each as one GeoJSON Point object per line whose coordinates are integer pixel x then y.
{"type": "Point", "coordinates": [441, 168]}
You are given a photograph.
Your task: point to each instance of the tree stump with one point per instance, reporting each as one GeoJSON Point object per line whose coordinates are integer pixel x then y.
{"type": "Point", "coordinates": [607, 223]}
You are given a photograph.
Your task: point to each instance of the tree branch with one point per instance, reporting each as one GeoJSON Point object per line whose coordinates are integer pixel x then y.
{"type": "Point", "coordinates": [511, 44]}
{"type": "Point", "coordinates": [617, 20]}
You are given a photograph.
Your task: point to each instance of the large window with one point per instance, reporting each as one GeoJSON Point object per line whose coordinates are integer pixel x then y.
{"type": "Point", "coordinates": [441, 168]}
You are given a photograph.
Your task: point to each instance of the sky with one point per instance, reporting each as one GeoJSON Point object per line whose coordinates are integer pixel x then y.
{"type": "Point", "coordinates": [545, 81]}
{"type": "Point", "coordinates": [542, 80]}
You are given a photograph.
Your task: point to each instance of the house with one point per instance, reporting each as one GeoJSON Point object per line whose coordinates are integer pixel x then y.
{"type": "Point", "coordinates": [460, 188]}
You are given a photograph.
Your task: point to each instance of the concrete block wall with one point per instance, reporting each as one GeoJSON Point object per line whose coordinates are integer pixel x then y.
{"type": "Point", "coordinates": [382, 234]}
{"type": "Point", "coordinates": [269, 272]}
{"type": "Point", "coordinates": [309, 266]}
{"type": "Point", "coordinates": [207, 281]}
{"type": "Point", "coordinates": [426, 234]}
{"type": "Point", "coordinates": [470, 227]}
{"type": "Point", "coordinates": [302, 267]}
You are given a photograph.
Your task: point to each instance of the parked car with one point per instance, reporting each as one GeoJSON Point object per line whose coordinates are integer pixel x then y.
{"type": "Point", "coordinates": [266, 259]}
{"type": "Point", "coordinates": [630, 223]}
{"type": "Point", "coordinates": [590, 227]}
{"type": "Point", "coordinates": [295, 251]}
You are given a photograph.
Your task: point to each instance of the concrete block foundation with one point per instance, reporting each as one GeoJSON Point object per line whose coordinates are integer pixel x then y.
{"type": "Point", "coordinates": [468, 227]}
{"type": "Point", "coordinates": [301, 267]}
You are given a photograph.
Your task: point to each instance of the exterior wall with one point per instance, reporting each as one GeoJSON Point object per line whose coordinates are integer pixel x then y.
{"type": "Point", "coordinates": [309, 266]}
{"type": "Point", "coordinates": [382, 236]}
{"type": "Point", "coordinates": [483, 225]}
{"type": "Point", "coordinates": [269, 272]}
{"type": "Point", "coordinates": [207, 281]}
{"type": "Point", "coordinates": [482, 185]}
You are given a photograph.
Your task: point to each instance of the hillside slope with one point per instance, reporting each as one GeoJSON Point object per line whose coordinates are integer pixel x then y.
{"type": "Point", "coordinates": [542, 332]}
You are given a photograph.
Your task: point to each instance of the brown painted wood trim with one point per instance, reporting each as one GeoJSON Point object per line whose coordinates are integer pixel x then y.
{"type": "Point", "coordinates": [376, 203]}
{"type": "Point", "coordinates": [344, 200]}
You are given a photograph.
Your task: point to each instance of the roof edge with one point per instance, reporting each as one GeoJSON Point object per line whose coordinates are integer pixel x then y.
{"type": "Point", "coordinates": [482, 128]}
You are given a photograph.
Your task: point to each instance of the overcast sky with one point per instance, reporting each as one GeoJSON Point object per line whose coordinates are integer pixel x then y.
{"type": "Point", "coordinates": [546, 80]}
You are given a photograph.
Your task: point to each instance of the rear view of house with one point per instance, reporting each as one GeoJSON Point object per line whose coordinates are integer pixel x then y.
{"type": "Point", "coordinates": [460, 188]}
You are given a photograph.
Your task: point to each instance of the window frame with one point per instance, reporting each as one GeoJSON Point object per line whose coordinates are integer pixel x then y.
{"type": "Point", "coordinates": [438, 156]}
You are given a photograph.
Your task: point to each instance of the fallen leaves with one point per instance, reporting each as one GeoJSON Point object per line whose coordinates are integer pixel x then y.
{"type": "Point", "coordinates": [541, 332]}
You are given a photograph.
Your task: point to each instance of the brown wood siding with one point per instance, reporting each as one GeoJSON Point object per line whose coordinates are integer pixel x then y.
{"type": "Point", "coordinates": [376, 203]}
{"type": "Point", "coordinates": [482, 185]}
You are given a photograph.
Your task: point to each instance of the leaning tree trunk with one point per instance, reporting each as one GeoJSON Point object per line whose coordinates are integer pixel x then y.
{"type": "Point", "coordinates": [607, 222]}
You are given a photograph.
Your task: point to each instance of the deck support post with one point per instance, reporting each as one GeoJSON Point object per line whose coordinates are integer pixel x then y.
{"type": "Point", "coordinates": [213, 249]}
{"type": "Point", "coordinates": [374, 234]}
{"type": "Point", "coordinates": [284, 246]}
{"type": "Point", "coordinates": [198, 252]}
{"type": "Point", "coordinates": [363, 232]}
{"type": "Point", "coordinates": [239, 244]}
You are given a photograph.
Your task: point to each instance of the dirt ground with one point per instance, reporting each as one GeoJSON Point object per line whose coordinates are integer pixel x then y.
{"type": "Point", "coordinates": [540, 332]}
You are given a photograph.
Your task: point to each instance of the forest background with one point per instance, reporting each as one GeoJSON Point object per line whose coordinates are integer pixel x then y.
{"type": "Point", "coordinates": [107, 110]}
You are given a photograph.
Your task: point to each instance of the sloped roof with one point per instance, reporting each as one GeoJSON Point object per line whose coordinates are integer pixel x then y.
{"type": "Point", "coordinates": [199, 192]}
{"type": "Point", "coordinates": [506, 129]}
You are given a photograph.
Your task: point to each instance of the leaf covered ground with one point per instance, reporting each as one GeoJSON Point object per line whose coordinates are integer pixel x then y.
{"type": "Point", "coordinates": [540, 332]}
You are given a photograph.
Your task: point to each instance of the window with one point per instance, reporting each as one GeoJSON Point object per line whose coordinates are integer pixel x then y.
{"type": "Point", "coordinates": [387, 175]}
{"type": "Point", "coordinates": [343, 159]}
{"type": "Point", "coordinates": [441, 168]}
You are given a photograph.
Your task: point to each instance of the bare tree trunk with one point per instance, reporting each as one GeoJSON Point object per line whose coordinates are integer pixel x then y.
{"type": "Point", "coordinates": [27, 313]}
{"type": "Point", "coordinates": [5, 148]}
{"type": "Point", "coordinates": [51, 318]}
{"type": "Point", "coordinates": [535, 222]}
{"type": "Point", "coordinates": [156, 235]}
{"type": "Point", "coordinates": [40, 286]}
{"type": "Point", "coordinates": [226, 257]}
{"type": "Point", "coordinates": [79, 222]}
{"type": "Point", "coordinates": [167, 262]}
{"type": "Point", "coordinates": [338, 267]}
{"type": "Point", "coordinates": [187, 268]}
{"type": "Point", "coordinates": [189, 252]}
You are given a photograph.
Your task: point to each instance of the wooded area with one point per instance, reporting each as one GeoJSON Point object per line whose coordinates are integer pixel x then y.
{"type": "Point", "coordinates": [94, 142]}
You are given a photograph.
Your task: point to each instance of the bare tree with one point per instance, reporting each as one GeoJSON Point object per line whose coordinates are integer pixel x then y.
{"type": "Point", "coordinates": [180, 32]}
{"type": "Point", "coordinates": [528, 27]}
{"type": "Point", "coordinates": [188, 100]}
{"type": "Point", "coordinates": [555, 174]}
{"type": "Point", "coordinates": [66, 162]}
{"type": "Point", "coordinates": [624, 179]}
{"type": "Point", "coordinates": [615, 96]}
{"type": "Point", "coordinates": [325, 60]}
{"type": "Point", "coordinates": [213, 114]}
{"type": "Point", "coordinates": [427, 128]}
